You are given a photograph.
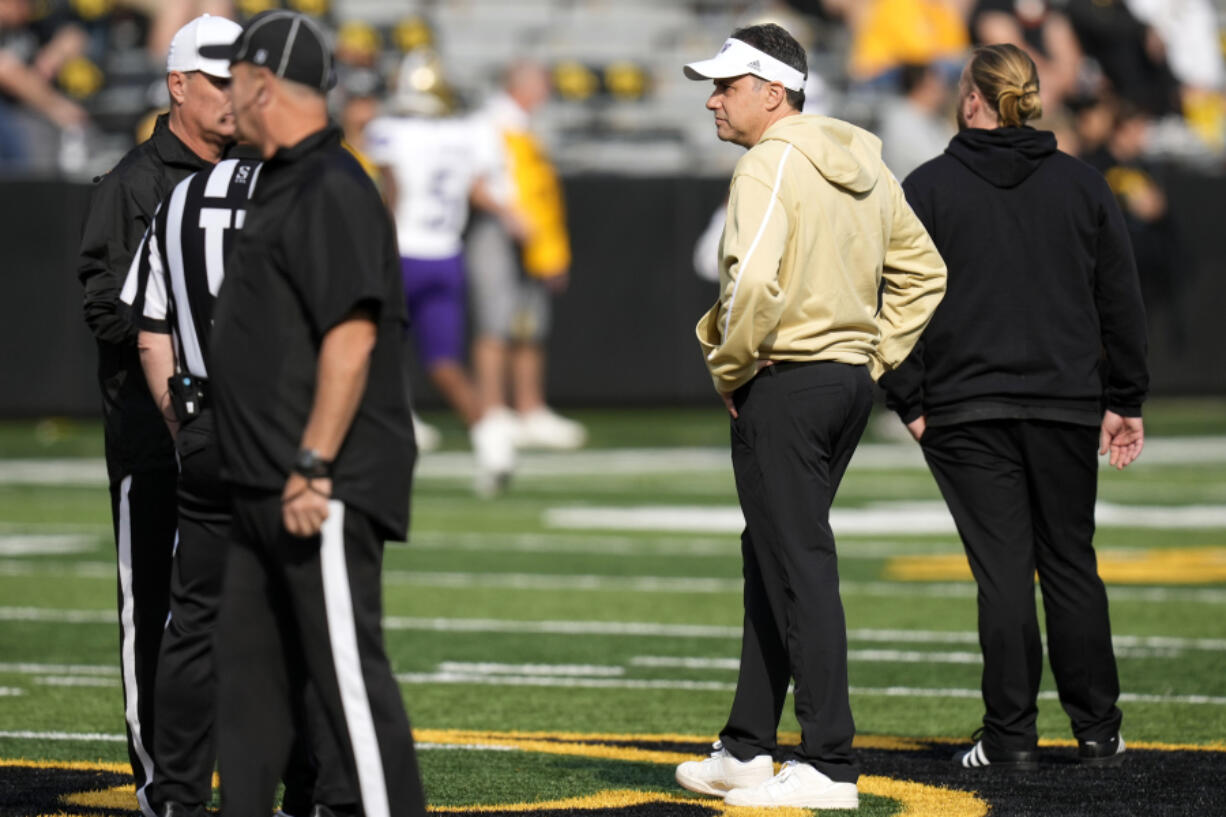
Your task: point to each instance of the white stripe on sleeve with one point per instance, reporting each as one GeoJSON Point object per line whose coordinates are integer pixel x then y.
{"type": "Point", "coordinates": [155, 290]}
{"type": "Point", "coordinates": [132, 281]}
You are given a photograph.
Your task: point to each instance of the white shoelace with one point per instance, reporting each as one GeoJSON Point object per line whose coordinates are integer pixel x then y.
{"type": "Point", "coordinates": [785, 773]}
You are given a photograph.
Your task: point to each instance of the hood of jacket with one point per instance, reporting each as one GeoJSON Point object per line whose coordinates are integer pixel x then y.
{"type": "Point", "coordinates": [845, 155]}
{"type": "Point", "coordinates": [1004, 157]}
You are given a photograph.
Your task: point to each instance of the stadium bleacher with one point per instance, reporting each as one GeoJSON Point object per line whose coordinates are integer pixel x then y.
{"type": "Point", "coordinates": [622, 104]}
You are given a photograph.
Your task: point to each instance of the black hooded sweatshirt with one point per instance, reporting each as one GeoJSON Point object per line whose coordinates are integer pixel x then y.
{"type": "Point", "coordinates": [1042, 318]}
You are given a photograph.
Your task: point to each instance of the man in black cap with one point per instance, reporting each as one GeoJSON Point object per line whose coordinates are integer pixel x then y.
{"type": "Point", "coordinates": [140, 456]}
{"type": "Point", "coordinates": [315, 436]}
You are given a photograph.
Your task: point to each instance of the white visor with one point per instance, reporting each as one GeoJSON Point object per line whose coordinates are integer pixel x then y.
{"type": "Point", "coordinates": [737, 58]}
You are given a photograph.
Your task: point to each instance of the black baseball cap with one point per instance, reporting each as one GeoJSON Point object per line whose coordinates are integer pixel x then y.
{"type": "Point", "coordinates": [289, 44]}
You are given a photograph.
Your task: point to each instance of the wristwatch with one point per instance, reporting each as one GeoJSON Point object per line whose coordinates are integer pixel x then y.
{"type": "Point", "coordinates": [309, 464]}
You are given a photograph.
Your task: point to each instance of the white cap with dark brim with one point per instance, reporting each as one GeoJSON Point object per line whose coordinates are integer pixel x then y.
{"type": "Point", "coordinates": [205, 30]}
{"type": "Point", "coordinates": [737, 58]}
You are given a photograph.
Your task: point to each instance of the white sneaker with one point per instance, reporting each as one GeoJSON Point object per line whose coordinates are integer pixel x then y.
{"type": "Point", "coordinates": [544, 428]}
{"type": "Point", "coordinates": [721, 772]}
{"type": "Point", "coordinates": [494, 449]}
{"type": "Point", "coordinates": [798, 785]}
{"type": "Point", "coordinates": [428, 437]}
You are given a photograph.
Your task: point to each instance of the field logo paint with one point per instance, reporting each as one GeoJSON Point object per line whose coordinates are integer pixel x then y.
{"type": "Point", "coordinates": [105, 789]}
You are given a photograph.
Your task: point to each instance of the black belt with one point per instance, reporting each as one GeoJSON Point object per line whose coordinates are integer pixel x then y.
{"type": "Point", "coordinates": [789, 365]}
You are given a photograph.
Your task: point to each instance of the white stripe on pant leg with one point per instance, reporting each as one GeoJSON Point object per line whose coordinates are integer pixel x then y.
{"type": "Point", "coordinates": [342, 632]}
{"type": "Point", "coordinates": [127, 622]}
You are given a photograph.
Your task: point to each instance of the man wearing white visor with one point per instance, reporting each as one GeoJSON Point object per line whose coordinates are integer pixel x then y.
{"type": "Point", "coordinates": [827, 280]}
{"type": "Point", "coordinates": [140, 454]}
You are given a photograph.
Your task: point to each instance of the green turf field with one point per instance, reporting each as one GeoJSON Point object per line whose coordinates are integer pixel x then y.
{"type": "Point", "coordinates": [601, 595]}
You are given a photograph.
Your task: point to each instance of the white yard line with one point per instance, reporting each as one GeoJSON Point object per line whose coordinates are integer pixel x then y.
{"type": "Point", "coordinates": [562, 670]}
{"type": "Point", "coordinates": [45, 544]}
{"type": "Point", "coordinates": [481, 679]}
{"type": "Point", "coordinates": [93, 737]}
{"type": "Point", "coordinates": [59, 669]}
{"type": "Point", "coordinates": [47, 614]}
{"type": "Point", "coordinates": [442, 677]}
{"type": "Point", "coordinates": [561, 581]}
{"type": "Point", "coordinates": [854, 656]}
{"type": "Point", "coordinates": [84, 737]}
{"type": "Point", "coordinates": [476, 747]}
{"type": "Point", "coordinates": [646, 584]}
{"type": "Point", "coordinates": [75, 681]}
{"type": "Point", "coordinates": [587, 543]}
{"type": "Point", "coordinates": [615, 628]}
{"type": "Point", "coordinates": [620, 461]}
{"type": "Point", "coordinates": [880, 518]}
{"type": "Point", "coordinates": [78, 570]}
{"type": "Point", "coordinates": [581, 628]}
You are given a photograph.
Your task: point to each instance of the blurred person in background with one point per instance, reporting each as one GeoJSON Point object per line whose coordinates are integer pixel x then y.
{"type": "Point", "coordinates": [1130, 54]}
{"type": "Point", "coordinates": [28, 67]}
{"type": "Point", "coordinates": [1190, 37]}
{"type": "Point", "coordinates": [140, 454]}
{"type": "Point", "coordinates": [1034, 361]}
{"type": "Point", "coordinates": [168, 16]}
{"type": "Point", "coordinates": [355, 103]}
{"type": "Point", "coordinates": [432, 163]}
{"type": "Point", "coordinates": [889, 34]}
{"type": "Point", "coordinates": [1040, 29]}
{"type": "Point", "coordinates": [1192, 43]}
{"type": "Point", "coordinates": [514, 278]}
{"type": "Point", "coordinates": [916, 126]}
{"type": "Point", "coordinates": [1093, 119]}
{"type": "Point", "coordinates": [1136, 182]}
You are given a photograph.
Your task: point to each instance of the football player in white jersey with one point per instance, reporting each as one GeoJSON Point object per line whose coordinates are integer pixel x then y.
{"type": "Point", "coordinates": [433, 164]}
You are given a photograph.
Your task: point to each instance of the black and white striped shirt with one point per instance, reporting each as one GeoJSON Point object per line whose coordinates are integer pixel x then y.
{"type": "Point", "coordinates": [180, 263]}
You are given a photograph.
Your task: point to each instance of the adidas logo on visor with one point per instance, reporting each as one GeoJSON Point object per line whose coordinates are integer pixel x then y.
{"type": "Point", "coordinates": [755, 65]}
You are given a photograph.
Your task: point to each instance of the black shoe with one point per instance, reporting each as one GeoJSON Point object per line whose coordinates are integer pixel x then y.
{"type": "Point", "coordinates": [977, 756]}
{"type": "Point", "coordinates": [1101, 752]}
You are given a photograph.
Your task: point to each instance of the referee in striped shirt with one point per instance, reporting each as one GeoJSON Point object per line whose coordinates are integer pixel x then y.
{"type": "Point", "coordinates": [170, 290]}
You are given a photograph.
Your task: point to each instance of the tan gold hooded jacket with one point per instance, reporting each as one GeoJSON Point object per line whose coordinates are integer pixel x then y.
{"type": "Point", "coordinates": [815, 224]}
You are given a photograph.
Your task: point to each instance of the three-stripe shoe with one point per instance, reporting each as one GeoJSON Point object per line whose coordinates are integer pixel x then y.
{"type": "Point", "coordinates": [797, 785]}
{"type": "Point", "coordinates": [721, 772]}
{"type": "Point", "coordinates": [978, 756]}
{"type": "Point", "coordinates": [1101, 752]}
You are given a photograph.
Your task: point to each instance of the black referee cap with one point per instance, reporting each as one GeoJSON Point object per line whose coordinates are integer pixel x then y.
{"type": "Point", "coordinates": [289, 44]}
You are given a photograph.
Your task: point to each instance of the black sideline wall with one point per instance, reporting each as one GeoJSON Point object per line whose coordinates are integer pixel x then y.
{"type": "Point", "coordinates": [623, 333]}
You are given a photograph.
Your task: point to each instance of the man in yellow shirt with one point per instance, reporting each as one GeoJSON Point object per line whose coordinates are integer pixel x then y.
{"type": "Point", "coordinates": [889, 34]}
{"type": "Point", "coordinates": [516, 269]}
{"type": "Point", "coordinates": [827, 280]}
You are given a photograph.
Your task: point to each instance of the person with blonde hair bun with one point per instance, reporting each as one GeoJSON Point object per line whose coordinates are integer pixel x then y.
{"type": "Point", "coordinates": [1006, 79]}
{"type": "Point", "coordinates": [1034, 360]}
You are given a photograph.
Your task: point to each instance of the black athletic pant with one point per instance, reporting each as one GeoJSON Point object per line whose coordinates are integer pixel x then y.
{"type": "Point", "coordinates": [187, 679]}
{"type": "Point", "coordinates": [1022, 494]}
{"type": "Point", "coordinates": [143, 511]}
{"type": "Point", "coordinates": [798, 427]}
{"type": "Point", "coordinates": [184, 740]}
{"type": "Point", "coordinates": [297, 609]}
